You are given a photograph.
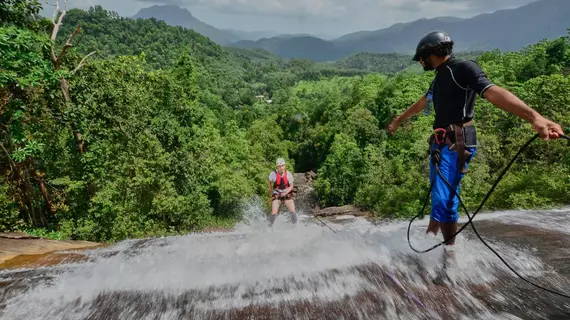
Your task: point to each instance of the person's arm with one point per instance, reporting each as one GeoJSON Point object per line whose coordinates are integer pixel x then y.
{"type": "Point", "coordinates": [414, 109]}
{"type": "Point", "coordinates": [269, 185]}
{"type": "Point", "coordinates": [507, 101]}
{"type": "Point", "coordinates": [288, 190]}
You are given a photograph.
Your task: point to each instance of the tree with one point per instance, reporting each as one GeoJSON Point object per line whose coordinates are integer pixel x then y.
{"type": "Point", "coordinates": [339, 177]}
{"type": "Point", "coordinates": [20, 13]}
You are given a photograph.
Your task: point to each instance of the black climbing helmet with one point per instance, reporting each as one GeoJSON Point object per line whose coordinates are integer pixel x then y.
{"type": "Point", "coordinates": [430, 39]}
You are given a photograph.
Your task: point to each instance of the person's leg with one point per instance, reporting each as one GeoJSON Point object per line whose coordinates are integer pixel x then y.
{"type": "Point", "coordinates": [290, 204]}
{"type": "Point", "coordinates": [444, 209]}
{"type": "Point", "coordinates": [275, 206]}
{"type": "Point", "coordinates": [451, 172]}
{"type": "Point", "coordinates": [444, 201]}
{"type": "Point", "coordinates": [433, 226]}
{"type": "Point", "coordinates": [446, 205]}
{"type": "Point", "coordinates": [448, 229]}
{"type": "Point", "coordinates": [274, 211]}
{"type": "Point", "coordinates": [439, 201]}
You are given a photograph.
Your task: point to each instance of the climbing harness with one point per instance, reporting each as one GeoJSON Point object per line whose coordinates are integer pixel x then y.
{"type": "Point", "coordinates": [455, 138]}
{"type": "Point", "coordinates": [470, 222]}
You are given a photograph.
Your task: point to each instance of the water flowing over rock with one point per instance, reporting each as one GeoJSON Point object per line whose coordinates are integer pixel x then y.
{"type": "Point", "coordinates": [362, 271]}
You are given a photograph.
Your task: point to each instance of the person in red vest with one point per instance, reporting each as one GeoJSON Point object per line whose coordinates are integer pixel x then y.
{"type": "Point", "coordinates": [281, 190]}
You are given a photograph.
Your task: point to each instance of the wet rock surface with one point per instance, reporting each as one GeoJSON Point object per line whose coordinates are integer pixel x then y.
{"type": "Point", "coordinates": [306, 200]}
{"type": "Point", "coordinates": [363, 270]}
{"type": "Point", "coordinates": [404, 287]}
{"type": "Point", "coordinates": [550, 246]}
{"type": "Point", "coordinates": [23, 248]}
{"type": "Point", "coordinates": [305, 196]}
{"type": "Point", "coordinates": [16, 235]}
{"type": "Point", "coordinates": [344, 210]}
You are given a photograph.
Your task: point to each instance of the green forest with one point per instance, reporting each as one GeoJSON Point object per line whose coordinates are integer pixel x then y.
{"type": "Point", "coordinates": [113, 128]}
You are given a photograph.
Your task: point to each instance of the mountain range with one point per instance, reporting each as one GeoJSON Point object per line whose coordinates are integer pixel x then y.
{"type": "Point", "coordinates": [176, 16]}
{"type": "Point", "coordinates": [507, 30]}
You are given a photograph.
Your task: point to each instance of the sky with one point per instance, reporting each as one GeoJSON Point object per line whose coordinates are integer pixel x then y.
{"type": "Point", "coordinates": [321, 17]}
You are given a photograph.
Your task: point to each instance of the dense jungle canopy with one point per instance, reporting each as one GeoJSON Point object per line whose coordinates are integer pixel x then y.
{"type": "Point", "coordinates": [126, 128]}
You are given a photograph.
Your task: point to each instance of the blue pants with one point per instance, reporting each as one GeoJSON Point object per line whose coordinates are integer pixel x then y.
{"type": "Point", "coordinates": [444, 203]}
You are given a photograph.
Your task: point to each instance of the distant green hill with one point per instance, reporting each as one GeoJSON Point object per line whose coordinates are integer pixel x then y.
{"type": "Point", "coordinates": [109, 34]}
{"type": "Point", "coordinates": [304, 47]}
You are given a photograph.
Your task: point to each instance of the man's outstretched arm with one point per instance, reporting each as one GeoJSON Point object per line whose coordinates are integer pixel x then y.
{"type": "Point", "coordinates": [411, 111]}
{"type": "Point", "coordinates": [507, 101]}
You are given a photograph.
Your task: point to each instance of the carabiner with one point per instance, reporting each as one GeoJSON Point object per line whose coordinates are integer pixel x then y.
{"type": "Point", "coordinates": [444, 133]}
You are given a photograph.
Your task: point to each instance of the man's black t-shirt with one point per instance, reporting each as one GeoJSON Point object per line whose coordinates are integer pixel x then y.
{"type": "Point", "coordinates": [454, 88]}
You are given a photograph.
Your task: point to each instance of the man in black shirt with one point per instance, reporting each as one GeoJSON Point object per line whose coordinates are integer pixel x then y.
{"type": "Point", "coordinates": [453, 92]}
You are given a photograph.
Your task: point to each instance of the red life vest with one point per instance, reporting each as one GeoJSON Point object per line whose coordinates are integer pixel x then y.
{"type": "Point", "coordinates": [281, 182]}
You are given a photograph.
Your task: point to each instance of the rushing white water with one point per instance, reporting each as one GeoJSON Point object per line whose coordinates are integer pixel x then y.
{"type": "Point", "coordinates": [209, 276]}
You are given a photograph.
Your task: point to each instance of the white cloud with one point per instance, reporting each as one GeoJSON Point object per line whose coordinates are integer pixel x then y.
{"type": "Point", "coordinates": [336, 8]}
{"type": "Point", "coordinates": [313, 16]}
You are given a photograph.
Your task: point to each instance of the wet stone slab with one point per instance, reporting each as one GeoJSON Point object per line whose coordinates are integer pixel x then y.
{"type": "Point", "coordinates": [12, 246]}
{"type": "Point", "coordinates": [386, 300]}
{"type": "Point", "coordinates": [403, 289]}
{"type": "Point", "coordinates": [550, 246]}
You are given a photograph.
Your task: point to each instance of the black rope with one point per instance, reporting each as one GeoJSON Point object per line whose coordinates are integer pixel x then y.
{"type": "Point", "coordinates": [326, 225]}
{"type": "Point", "coordinates": [470, 222]}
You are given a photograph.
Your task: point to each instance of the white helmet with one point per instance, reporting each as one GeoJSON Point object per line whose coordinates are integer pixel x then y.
{"type": "Point", "coordinates": [280, 162]}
